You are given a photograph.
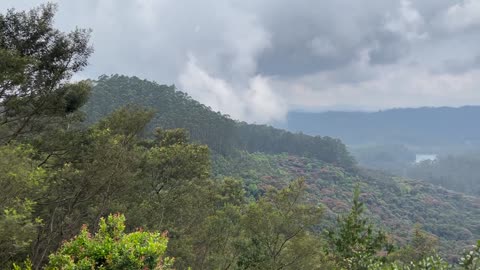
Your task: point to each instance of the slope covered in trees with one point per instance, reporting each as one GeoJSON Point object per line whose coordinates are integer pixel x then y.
{"type": "Point", "coordinates": [175, 109]}
{"type": "Point", "coordinates": [460, 172]}
{"type": "Point", "coordinates": [395, 203]}
{"type": "Point", "coordinates": [265, 157]}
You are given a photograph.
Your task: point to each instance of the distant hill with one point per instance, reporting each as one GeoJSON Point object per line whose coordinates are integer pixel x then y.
{"type": "Point", "coordinates": [421, 127]}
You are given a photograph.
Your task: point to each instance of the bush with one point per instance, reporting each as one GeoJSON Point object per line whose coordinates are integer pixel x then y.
{"type": "Point", "coordinates": [112, 248]}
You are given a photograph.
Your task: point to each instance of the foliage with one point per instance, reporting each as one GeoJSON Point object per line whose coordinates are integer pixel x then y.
{"type": "Point", "coordinates": [175, 109]}
{"type": "Point", "coordinates": [456, 172]}
{"type": "Point", "coordinates": [420, 246]}
{"type": "Point", "coordinates": [397, 204]}
{"type": "Point", "coordinates": [112, 248]}
{"type": "Point", "coordinates": [471, 258]}
{"type": "Point", "coordinates": [353, 243]}
{"type": "Point", "coordinates": [280, 231]}
{"type": "Point", "coordinates": [393, 158]}
{"type": "Point", "coordinates": [429, 263]}
{"type": "Point", "coordinates": [21, 183]}
{"type": "Point", "coordinates": [37, 61]}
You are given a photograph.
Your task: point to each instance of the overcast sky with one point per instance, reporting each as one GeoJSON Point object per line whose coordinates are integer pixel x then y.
{"type": "Point", "coordinates": [258, 59]}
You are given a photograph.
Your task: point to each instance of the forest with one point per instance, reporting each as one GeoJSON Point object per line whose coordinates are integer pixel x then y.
{"type": "Point", "coordinates": [122, 173]}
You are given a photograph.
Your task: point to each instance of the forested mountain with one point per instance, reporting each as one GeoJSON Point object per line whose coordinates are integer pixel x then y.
{"type": "Point", "coordinates": [419, 127]}
{"type": "Point", "coordinates": [128, 188]}
{"type": "Point", "coordinates": [175, 109]}
{"type": "Point", "coordinates": [396, 203]}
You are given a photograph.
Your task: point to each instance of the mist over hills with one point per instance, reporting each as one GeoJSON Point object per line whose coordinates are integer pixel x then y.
{"type": "Point", "coordinates": [424, 128]}
{"type": "Point", "coordinates": [392, 140]}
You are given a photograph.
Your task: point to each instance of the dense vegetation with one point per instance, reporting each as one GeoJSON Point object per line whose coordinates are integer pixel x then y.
{"type": "Point", "coordinates": [64, 181]}
{"type": "Point", "coordinates": [394, 158]}
{"type": "Point", "coordinates": [460, 172]}
{"type": "Point", "coordinates": [397, 204]}
{"type": "Point", "coordinates": [175, 109]}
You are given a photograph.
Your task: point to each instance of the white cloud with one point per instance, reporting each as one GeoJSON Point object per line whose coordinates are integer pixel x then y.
{"type": "Point", "coordinates": [463, 15]}
{"type": "Point", "coordinates": [393, 87]}
{"type": "Point", "coordinates": [408, 22]}
{"type": "Point", "coordinates": [255, 102]}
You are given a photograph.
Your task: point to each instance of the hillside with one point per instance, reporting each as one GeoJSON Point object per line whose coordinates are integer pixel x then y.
{"type": "Point", "coordinates": [422, 127]}
{"type": "Point", "coordinates": [175, 109]}
{"type": "Point", "coordinates": [395, 202]}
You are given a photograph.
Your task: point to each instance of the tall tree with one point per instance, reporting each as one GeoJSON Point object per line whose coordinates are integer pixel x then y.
{"type": "Point", "coordinates": [280, 229]}
{"type": "Point", "coordinates": [36, 64]}
{"type": "Point", "coordinates": [354, 244]}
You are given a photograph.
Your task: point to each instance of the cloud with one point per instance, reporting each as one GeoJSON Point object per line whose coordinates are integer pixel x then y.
{"type": "Point", "coordinates": [408, 22]}
{"type": "Point", "coordinates": [413, 87]}
{"type": "Point", "coordinates": [255, 101]}
{"type": "Point", "coordinates": [323, 47]}
{"type": "Point", "coordinates": [463, 15]}
{"type": "Point", "coordinates": [256, 60]}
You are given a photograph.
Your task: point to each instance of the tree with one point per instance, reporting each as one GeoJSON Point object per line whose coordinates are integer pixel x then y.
{"type": "Point", "coordinates": [421, 246]}
{"type": "Point", "coordinates": [280, 231]}
{"type": "Point", "coordinates": [354, 244]}
{"type": "Point", "coordinates": [96, 174]}
{"type": "Point", "coordinates": [112, 248]}
{"type": "Point", "coordinates": [433, 262]}
{"type": "Point", "coordinates": [36, 63]}
{"type": "Point", "coordinates": [21, 183]}
{"type": "Point", "coordinates": [471, 258]}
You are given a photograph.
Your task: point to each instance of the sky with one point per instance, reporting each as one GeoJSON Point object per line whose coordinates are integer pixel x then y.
{"type": "Point", "coordinates": [256, 60]}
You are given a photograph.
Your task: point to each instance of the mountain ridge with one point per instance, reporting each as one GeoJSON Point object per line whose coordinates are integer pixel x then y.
{"type": "Point", "coordinates": [424, 126]}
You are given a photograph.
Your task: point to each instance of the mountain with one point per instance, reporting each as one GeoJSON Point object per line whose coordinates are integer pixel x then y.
{"type": "Point", "coordinates": [264, 157]}
{"type": "Point", "coordinates": [175, 109]}
{"type": "Point", "coordinates": [419, 127]}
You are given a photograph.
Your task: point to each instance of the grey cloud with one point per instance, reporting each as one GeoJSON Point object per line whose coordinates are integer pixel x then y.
{"type": "Point", "coordinates": [460, 66]}
{"type": "Point", "coordinates": [389, 49]}
{"type": "Point", "coordinates": [268, 56]}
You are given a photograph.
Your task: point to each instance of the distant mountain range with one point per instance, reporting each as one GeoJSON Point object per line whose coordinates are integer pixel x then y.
{"type": "Point", "coordinates": [426, 126]}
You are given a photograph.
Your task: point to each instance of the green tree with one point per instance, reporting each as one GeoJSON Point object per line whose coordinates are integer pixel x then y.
{"type": "Point", "coordinates": [420, 246]}
{"type": "Point", "coordinates": [471, 258]}
{"type": "Point", "coordinates": [217, 239]}
{"type": "Point", "coordinates": [22, 183]}
{"type": "Point", "coordinates": [280, 231]}
{"type": "Point", "coordinates": [112, 248]}
{"type": "Point", "coordinates": [433, 262]}
{"type": "Point", "coordinates": [354, 244]}
{"type": "Point", "coordinates": [95, 173]}
{"type": "Point", "coordinates": [36, 63]}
